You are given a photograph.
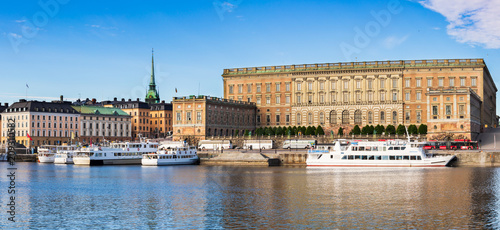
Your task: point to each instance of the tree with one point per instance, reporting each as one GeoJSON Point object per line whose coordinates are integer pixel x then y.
{"type": "Point", "coordinates": [371, 129]}
{"type": "Point", "coordinates": [422, 129]}
{"type": "Point", "coordinates": [380, 129]}
{"type": "Point", "coordinates": [365, 130]}
{"type": "Point", "coordinates": [268, 131]}
{"type": "Point", "coordinates": [279, 131]}
{"type": "Point", "coordinates": [412, 129]}
{"type": "Point", "coordinates": [340, 132]}
{"type": "Point", "coordinates": [356, 130]}
{"type": "Point", "coordinates": [236, 132]}
{"type": "Point", "coordinates": [259, 131]}
{"type": "Point", "coordinates": [401, 130]}
{"type": "Point", "coordinates": [313, 130]}
{"type": "Point", "coordinates": [320, 131]}
{"type": "Point", "coordinates": [303, 130]}
{"type": "Point", "coordinates": [390, 129]}
{"type": "Point", "coordinates": [309, 131]}
{"type": "Point", "coordinates": [247, 133]}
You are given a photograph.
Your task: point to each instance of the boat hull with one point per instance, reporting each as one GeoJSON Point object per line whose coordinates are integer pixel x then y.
{"type": "Point", "coordinates": [46, 159]}
{"type": "Point", "coordinates": [88, 161]}
{"type": "Point", "coordinates": [431, 162]}
{"type": "Point", "coordinates": [63, 161]}
{"type": "Point", "coordinates": [165, 162]}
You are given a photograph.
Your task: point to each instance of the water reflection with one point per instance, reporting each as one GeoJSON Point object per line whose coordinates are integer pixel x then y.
{"type": "Point", "coordinates": [67, 196]}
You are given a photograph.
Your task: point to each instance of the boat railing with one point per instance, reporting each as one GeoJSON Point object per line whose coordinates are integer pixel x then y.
{"type": "Point", "coordinates": [317, 151]}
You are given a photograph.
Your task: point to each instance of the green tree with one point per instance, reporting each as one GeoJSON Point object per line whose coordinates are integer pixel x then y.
{"type": "Point", "coordinates": [380, 129]}
{"type": "Point", "coordinates": [258, 132]}
{"type": "Point", "coordinates": [412, 129]}
{"type": "Point", "coordinates": [303, 130]}
{"type": "Point", "coordinates": [401, 130]}
{"type": "Point", "coordinates": [309, 131]}
{"type": "Point", "coordinates": [340, 132]}
{"type": "Point", "coordinates": [422, 129]}
{"type": "Point", "coordinates": [313, 130]}
{"type": "Point", "coordinates": [320, 131]}
{"type": "Point", "coordinates": [390, 130]}
{"type": "Point", "coordinates": [236, 132]}
{"type": "Point", "coordinates": [371, 129]}
{"type": "Point", "coordinates": [247, 133]}
{"type": "Point", "coordinates": [356, 130]}
{"type": "Point", "coordinates": [279, 131]}
{"type": "Point", "coordinates": [365, 130]}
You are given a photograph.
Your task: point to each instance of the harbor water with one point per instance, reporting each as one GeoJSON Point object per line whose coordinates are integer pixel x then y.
{"type": "Point", "coordinates": [49, 196]}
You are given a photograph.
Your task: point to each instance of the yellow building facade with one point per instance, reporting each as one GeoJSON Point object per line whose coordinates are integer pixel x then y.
{"type": "Point", "coordinates": [336, 95]}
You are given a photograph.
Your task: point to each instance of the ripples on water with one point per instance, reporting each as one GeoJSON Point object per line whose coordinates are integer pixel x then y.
{"type": "Point", "coordinates": [116, 197]}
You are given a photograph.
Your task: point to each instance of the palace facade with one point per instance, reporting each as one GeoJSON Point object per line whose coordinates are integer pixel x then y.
{"type": "Point", "coordinates": [456, 98]}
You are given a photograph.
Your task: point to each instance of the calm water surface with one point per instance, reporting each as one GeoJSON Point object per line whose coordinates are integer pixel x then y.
{"type": "Point", "coordinates": [52, 196]}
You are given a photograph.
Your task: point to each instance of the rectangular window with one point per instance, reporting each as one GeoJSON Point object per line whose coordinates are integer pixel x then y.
{"type": "Point", "coordinates": [299, 99]}
{"type": "Point", "coordinates": [178, 116]}
{"type": "Point", "coordinates": [322, 86]}
{"type": "Point", "coordinates": [334, 97]}
{"type": "Point", "coordinates": [358, 84]}
{"type": "Point", "coordinates": [419, 116]}
{"type": "Point", "coordinates": [382, 96]}
{"type": "Point", "coordinates": [407, 116]}
{"type": "Point", "coordinates": [310, 99]}
{"type": "Point", "coordinates": [322, 98]}
{"type": "Point", "coordinates": [268, 87]}
{"type": "Point", "coordinates": [473, 81]}
{"type": "Point", "coordinates": [268, 118]}
{"type": "Point", "coordinates": [452, 82]}
{"type": "Point", "coordinates": [440, 82]}
{"type": "Point", "coordinates": [462, 82]}
{"type": "Point", "coordinates": [407, 96]}
{"type": "Point", "coordinates": [258, 88]}
{"type": "Point", "coordinates": [249, 88]}
{"type": "Point", "coordinates": [419, 96]}
{"type": "Point", "coordinates": [394, 83]}
{"type": "Point", "coordinates": [394, 96]}
{"type": "Point", "coordinates": [299, 86]}
{"type": "Point", "coordinates": [370, 85]}
{"type": "Point", "coordinates": [278, 101]}
{"type": "Point", "coordinates": [258, 101]}
{"type": "Point", "coordinates": [334, 85]}
{"type": "Point", "coordinates": [310, 86]}
{"type": "Point", "coordinates": [461, 109]}
{"type": "Point", "coordinates": [418, 83]}
{"type": "Point", "coordinates": [346, 84]}
{"type": "Point", "coordinates": [358, 96]}
{"type": "Point", "coordinates": [277, 118]}
{"type": "Point", "coordinates": [240, 88]}
{"type": "Point", "coordinates": [287, 118]}
{"type": "Point", "coordinates": [407, 83]}
{"type": "Point", "coordinates": [370, 96]}
{"type": "Point", "coordinates": [268, 100]}
{"type": "Point", "coordinates": [382, 83]}
{"type": "Point", "coordinates": [287, 86]}
{"type": "Point", "coordinates": [435, 110]}
{"type": "Point", "coordinates": [278, 88]}
{"type": "Point", "coordinates": [198, 116]}
{"type": "Point", "coordinates": [346, 96]}
{"type": "Point", "coordinates": [287, 99]}
{"type": "Point", "coordinates": [448, 109]}
{"type": "Point", "coordinates": [230, 88]}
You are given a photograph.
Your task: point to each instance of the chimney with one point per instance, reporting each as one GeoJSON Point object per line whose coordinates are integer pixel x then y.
{"type": "Point", "coordinates": [6, 104]}
{"type": "Point", "coordinates": [94, 100]}
{"type": "Point", "coordinates": [115, 99]}
{"type": "Point", "coordinates": [137, 99]}
{"type": "Point", "coordinates": [62, 98]}
{"type": "Point", "coordinates": [129, 99]}
{"type": "Point", "coordinates": [123, 99]}
{"type": "Point", "coordinates": [163, 101]}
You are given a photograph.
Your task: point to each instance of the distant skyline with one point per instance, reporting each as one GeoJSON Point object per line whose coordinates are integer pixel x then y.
{"type": "Point", "coordinates": [102, 50]}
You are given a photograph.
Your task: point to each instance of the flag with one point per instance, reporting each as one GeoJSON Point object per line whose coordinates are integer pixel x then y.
{"type": "Point", "coordinates": [72, 135]}
{"type": "Point", "coordinates": [27, 134]}
{"type": "Point", "coordinates": [175, 90]}
{"type": "Point", "coordinates": [27, 86]}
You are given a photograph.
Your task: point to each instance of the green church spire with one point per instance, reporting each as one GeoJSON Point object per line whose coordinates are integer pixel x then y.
{"type": "Point", "coordinates": [152, 96]}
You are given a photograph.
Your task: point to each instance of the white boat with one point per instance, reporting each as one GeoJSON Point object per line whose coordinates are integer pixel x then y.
{"type": "Point", "coordinates": [116, 154]}
{"type": "Point", "coordinates": [171, 156]}
{"type": "Point", "coordinates": [47, 153]}
{"type": "Point", "coordinates": [65, 154]}
{"type": "Point", "coordinates": [359, 153]}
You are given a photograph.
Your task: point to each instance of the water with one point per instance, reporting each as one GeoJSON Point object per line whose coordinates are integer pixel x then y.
{"type": "Point", "coordinates": [52, 196]}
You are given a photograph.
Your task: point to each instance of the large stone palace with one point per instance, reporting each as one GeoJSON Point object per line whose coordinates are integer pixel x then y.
{"type": "Point", "coordinates": [455, 98]}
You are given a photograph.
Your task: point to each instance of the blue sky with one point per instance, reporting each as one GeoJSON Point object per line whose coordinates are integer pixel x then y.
{"type": "Point", "coordinates": [102, 49]}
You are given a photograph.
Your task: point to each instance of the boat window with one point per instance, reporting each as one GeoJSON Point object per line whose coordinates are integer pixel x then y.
{"type": "Point", "coordinates": [350, 157]}
{"type": "Point", "coordinates": [378, 157]}
{"type": "Point", "coordinates": [406, 157]}
{"type": "Point", "coordinates": [331, 156]}
{"type": "Point", "coordinates": [403, 148]}
{"type": "Point", "coordinates": [399, 157]}
{"type": "Point", "coordinates": [371, 158]}
{"type": "Point", "coordinates": [392, 158]}
{"type": "Point", "coordinates": [419, 158]}
{"type": "Point", "coordinates": [354, 148]}
{"type": "Point", "coordinates": [413, 157]}
{"type": "Point", "coordinates": [390, 148]}
{"type": "Point", "coordinates": [368, 148]}
{"type": "Point", "coordinates": [385, 158]}
{"type": "Point", "coordinates": [396, 148]}
{"type": "Point", "coordinates": [362, 148]}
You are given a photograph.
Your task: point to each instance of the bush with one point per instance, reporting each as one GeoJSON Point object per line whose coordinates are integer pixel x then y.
{"type": "Point", "coordinates": [413, 129]}
{"type": "Point", "coordinates": [422, 129]}
{"type": "Point", "coordinates": [356, 130]}
{"type": "Point", "coordinates": [380, 129]}
{"type": "Point", "coordinates": [303, 130]}
{"type": "Point", "coordinates": [365, 130]}
{"type": "Point", "coordinates": [371, 129]}
{"type": "Point", "coordinates": [390, 129]}
{"type": "Point", "coordinates": [309, 131]}
{"type": "Point", "coordinates": [401, 130]}
{"type": "Point", "coordinates": [340, 132]}
{"type": "Point", "coordinates": [320, 131]}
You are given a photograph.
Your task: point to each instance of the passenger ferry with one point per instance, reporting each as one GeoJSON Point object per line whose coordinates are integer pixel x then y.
{"type": "Point", "coordinates": [65, 154]}
{"type": "Point", "coordinates": [47, 153]}
{"type": "Point", "coordinates": [116, 154]}
{"type": "Point", "coordinates": [171, 156]}
{"type": "Point", "coordinates": [384, 153]}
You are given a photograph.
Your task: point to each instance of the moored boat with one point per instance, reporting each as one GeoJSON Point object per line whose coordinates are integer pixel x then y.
{"type": "Point", "coordinates": [359, 153]}
{"type": "Point", "coordinates": [171, 156]}
{"type": "Point", "coordinates": [116, 154]}
{"type": "Point", "coordinates": [47, 153]}
{"type": "Point", "coordinates": [65, 154]}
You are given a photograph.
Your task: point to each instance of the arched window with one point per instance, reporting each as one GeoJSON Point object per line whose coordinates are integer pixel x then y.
{"type": "Point", "coordinates": [310, 118]}
{"type": "Point", "coordinates": [357, 117]}
{"type": "Point", "coordinates": [209, 133]}
{"type": "Point", "coordinates": [333, 117]}
{"type": "Point", "coordinates": [394, 117]}
{"type": "Point", "coordinates": [322, 118]}
{"type": "Point", "coordinates": [382, 117]}
{"type": "Point", "coordinates": [345, 117]}
{"type": "Point", "coordinates": [298, 118]}
{"type": "Point", "coordinates": [370, 117]}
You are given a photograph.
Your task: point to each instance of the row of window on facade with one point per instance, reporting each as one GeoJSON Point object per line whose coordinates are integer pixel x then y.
{"type": "Point", "coordinates": [258, 89]}
{"type": "Point", "coordinates": [103, 125]}
{"type": "Point", "coordinates": [448, 111]}
{"type": "Point", "coordinates": [42, 133]}
{"type": "Point", "coordinates": [109, 118]}
{"type": "Point", "coordinates": [54, 126]}
{"type": "Point", "coordinates": [345, 117]}
{"type": "Point", "coordinates": [105, 134]}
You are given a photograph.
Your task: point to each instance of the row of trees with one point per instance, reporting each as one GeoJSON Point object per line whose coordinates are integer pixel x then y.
{"type": "Point", "coordinates": [311, 130]}
{"type": "Point", "coordinates": [389, 130]}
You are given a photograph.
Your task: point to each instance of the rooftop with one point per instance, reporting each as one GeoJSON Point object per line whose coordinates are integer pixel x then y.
{"type": "Point", "coordinates": [98, 110]}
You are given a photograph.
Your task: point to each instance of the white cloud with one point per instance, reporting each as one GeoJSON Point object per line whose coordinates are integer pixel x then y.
{"type": "Point", "coordinates": [393, 41]}
{"type": "Point", "coordinates": [14, 35]}
{"type": "Point", "coordinates": [20, 21]}
{"type": "Point", "coordinates": [472, 22]}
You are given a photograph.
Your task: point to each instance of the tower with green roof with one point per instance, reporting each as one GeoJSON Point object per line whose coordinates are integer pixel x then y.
{"type": "Point", "coordinates": [152, 96]}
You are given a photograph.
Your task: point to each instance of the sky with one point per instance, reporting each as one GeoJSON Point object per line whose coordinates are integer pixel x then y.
{"type": "Point", "coordinates": [102, 49]}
